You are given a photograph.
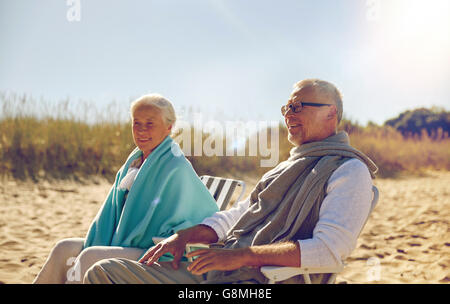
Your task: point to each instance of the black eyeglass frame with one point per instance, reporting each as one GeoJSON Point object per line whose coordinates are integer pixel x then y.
{"type": "Point", "coordinates": [298, 106]}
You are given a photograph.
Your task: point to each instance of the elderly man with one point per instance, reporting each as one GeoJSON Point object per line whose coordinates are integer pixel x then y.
{"type": "Point", "coordinates": [306, 212]}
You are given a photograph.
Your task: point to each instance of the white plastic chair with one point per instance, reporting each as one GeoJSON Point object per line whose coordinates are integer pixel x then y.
{"type": "Point", "coordinates": [280, 273]}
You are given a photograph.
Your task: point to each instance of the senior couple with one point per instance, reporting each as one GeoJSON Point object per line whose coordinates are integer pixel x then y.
{"type": "Point", "coordinates": [306, 212]}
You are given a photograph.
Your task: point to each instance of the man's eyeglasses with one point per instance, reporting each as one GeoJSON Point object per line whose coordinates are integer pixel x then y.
{"type": "Point", "coordinates": [298, 106]}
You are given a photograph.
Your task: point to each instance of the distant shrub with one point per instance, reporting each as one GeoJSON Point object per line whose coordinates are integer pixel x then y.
{"type": "Point", "coordinates": [435, 121]}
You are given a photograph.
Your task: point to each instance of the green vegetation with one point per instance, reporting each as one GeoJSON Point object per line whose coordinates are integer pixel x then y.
{"type": "Point", "coordinates": [435, 121]}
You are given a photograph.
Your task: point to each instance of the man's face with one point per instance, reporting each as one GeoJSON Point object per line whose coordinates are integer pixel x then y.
{"type": "Point", "coordinates": [149, 129]}
{"type": "Point", "coordinates": [311, 123]}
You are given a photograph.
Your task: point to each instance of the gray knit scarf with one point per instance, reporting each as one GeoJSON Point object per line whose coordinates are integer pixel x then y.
{"type": "Point", "coordinates": [285, 203]}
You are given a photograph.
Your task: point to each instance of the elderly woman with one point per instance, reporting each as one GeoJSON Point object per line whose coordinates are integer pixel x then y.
{"type": "Point", "coordinates": [155, 193]}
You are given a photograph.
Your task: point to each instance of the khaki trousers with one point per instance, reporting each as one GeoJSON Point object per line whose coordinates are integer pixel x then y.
{"type": "Point", "coordinates": [124, 271]}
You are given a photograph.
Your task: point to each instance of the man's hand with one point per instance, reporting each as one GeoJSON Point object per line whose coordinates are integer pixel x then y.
{"type": "Point", "coordinates": [176, 244]}
{"type": "Point", "coordinates": [218, 259]}
{"type": "Point", "coordinates": [278, 254]}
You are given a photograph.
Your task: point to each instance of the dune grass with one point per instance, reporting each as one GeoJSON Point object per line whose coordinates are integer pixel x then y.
{"type": "Point", "coordinates": [397, 155]}
{"type": "Point", "coordinates": [39, 142]}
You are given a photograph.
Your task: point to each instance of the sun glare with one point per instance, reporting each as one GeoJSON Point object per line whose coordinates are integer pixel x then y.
{"type": "Point", "coordinates": [412, 39]}
{"type": "Point", "coordinates": [420, 19]}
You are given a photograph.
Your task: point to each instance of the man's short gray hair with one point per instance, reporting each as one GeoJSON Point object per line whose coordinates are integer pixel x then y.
{"type": "Point", "coordinates": [158, 101]}
{"type": "Point", "coordinates": [326, 88]}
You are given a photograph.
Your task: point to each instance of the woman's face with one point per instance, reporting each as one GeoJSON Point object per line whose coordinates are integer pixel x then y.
{"type": "Point", "coordinates": [149, 128]}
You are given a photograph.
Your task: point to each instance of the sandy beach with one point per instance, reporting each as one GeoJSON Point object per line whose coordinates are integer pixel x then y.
{"type": "Point", "coordinates": [406, 240]}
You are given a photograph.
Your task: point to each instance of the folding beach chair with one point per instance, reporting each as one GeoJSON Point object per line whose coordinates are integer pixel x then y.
{"type": "Point", "coordinates": [280, 273]}
{"type": "Point", "coordinates": [222, 190]}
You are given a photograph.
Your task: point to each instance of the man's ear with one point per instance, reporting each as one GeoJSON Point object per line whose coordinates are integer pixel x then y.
{"type": "Point", "coordinates": [332, 113]}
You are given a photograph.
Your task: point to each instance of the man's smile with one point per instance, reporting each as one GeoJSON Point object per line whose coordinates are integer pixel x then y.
{"type": "Point", "coordinates": [293, 125]}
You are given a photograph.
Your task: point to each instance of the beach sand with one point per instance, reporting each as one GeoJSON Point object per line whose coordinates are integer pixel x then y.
{"type": "Point", "coordinates": [406, 240]}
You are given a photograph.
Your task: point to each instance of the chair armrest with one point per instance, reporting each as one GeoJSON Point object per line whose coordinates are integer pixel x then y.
{"type": "Point", "coordinates": [195, 246]}
{"type": "Point", "coordinates": [189, 246]}
{"type": "Point", "coordinates": [157, 239]}
{"type": "Point", "coordinates": [280, 273]}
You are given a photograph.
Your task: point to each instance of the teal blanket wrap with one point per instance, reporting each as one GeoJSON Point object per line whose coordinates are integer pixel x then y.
{"type": "Point", "coordinates": [166, 196]}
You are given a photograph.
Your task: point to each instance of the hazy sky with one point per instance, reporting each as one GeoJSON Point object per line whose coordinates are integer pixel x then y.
{"type": "Point", "coordinates": [232, 59]}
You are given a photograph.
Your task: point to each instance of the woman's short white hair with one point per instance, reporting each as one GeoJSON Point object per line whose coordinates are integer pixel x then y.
{"type": "Point", "coordinates": [158, 101]}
